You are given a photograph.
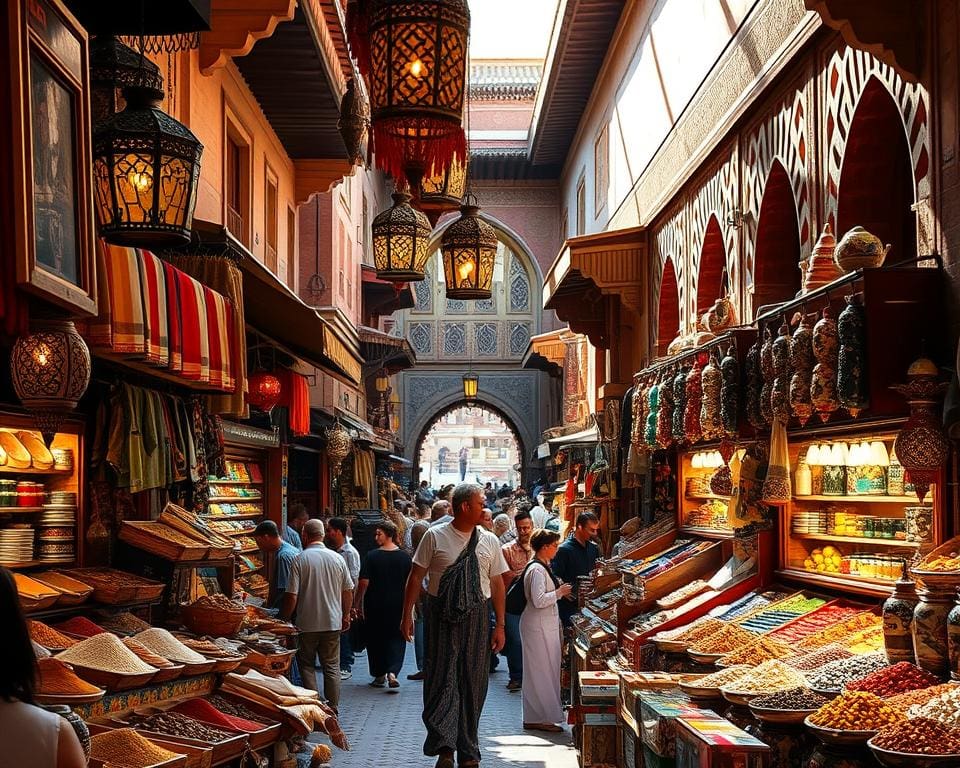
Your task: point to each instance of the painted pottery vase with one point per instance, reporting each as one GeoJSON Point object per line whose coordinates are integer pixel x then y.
{"type": "Point", "coordinates": [851, 356]}
{"type": "Point", "coordinates": [679, 403]}
{"type": "Point", "coordinates": [729, 393]}
{"type": "Point", "coordinates": [780, 392]}
{"type": "Point", "coordinates": [898, 621]}
{"type": "Point", "coordinates": [801, 363]}
{"type": "Point", "coordinates": [721, 316]}
{"type": "Point", "coordinates": [692, 430]}
{"type": "Point", "coordinates": [711, 383]}
{"type": "Point", "coordinates": [823, 385]}
{"type": "Point", "coordinates": [665, 411]}
{"type": "Point", "coordinates": [919, 524]}
{"type": "Point", "coordinates": [930, 631]}
{"type": "Point", "coordinates": [754, 386]}
{"type": "Point", "coordinates": [858, 249]}
{"type": "Point", "coordinates": [650, 416]}
{"type": "Point", "coordinates": [766, 368]}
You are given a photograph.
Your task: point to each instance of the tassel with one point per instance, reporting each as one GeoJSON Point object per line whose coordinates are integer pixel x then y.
{"type": "Point", "coordinates": [427, 142]}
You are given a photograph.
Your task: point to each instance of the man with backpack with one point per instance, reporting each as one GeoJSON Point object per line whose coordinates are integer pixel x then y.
{"type": "Point", "coordinates": [464, 565]}
{"type": "Point", "coordinates": [517, 554]}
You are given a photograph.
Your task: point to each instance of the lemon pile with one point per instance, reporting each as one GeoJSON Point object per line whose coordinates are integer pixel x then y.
{"type": "Point", "coordinates": [826, 560]}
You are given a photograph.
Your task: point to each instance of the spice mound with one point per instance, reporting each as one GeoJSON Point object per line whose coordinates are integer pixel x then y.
{"type": "Point", "coordinates": [944, 708]}
{"type": "Point", "coordinates": [919, 697]}
{"type": "Point", "coordinates": [725, 677]}
{"type": "Point", "coordinates": [856, 711]}
{"type": "Point", "coordinates": [920, 736]}
{"type": "Point", "coordinates": [836, 674]}
{"type": "Point", "coordinates": [175, 724]}
{"type": "Point", "coordinates": [201, 709]}
{"type": "Point", "coordinates": [105, 652]}
{"type": "Point", "coordinates": [217, 602]}
{"type": "Point", "coordinates": [889, 681]}
{"type": "Point", "coordinates": [125, 747]}
{"type": "Point", "coordinates": [795, 698]}
{"type": "Point", "coordinates": [146, 654]}
{"type": "Point", "coordinates": [757, 652]}
{"type": "Point", "coordinates": [815, 659]}
{"type": "Point", "coordinates": [770, 676]}
{"type": "Point", "coordinates": [691, 633]}
{"type": "Point", "coordinates": [78, 625]}
{"type": "Point", "coordinates": [48, 637]}
{"type": "Point", "coordinates": [729, 638]}
{"type": "Point", "coordinates": [162, 643]}
{"type": "Point", "coordinates": [125, 623]}
{"type": "Point", "coordinates": [54, 678]}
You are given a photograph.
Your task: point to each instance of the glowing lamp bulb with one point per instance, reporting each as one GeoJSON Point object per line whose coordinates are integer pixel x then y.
{"type": "Point", "coordinates": [464, 270]}
{"type": "Point", "coordinates": [41, 355]}
{"type": "Point", "coordinates": [139, 180]}
{"type": "Point", "coordinates": [417, 68]}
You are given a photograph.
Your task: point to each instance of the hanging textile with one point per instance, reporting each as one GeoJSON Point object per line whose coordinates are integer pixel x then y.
{"type": "Point", "coordinates": [126, 305]}
{"type": "Point", "coordinates": [295, 395]}
{"type": "Point", "coordinates": [174, 320]}
{"type": "Point", "coordinates": [218, 323]}
{"type": "Point", "coordinates": [153, 289]}
{"type": "Point", "coordinates": [190, 320]}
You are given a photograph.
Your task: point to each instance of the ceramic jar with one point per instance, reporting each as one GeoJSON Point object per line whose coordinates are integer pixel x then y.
{"type": "Point", "coordinates": [823, 384]}
{"type": "Point", "coordinates": [720, 316]}
{"type": "Point", "coordinates": [802, 362]}
{"type": "Point", "coordinates": [711, 382]}
{"type": "Point", "coordinates": [729, 393]}
{"type": "Point", "coordinates": [921, 445]}
{"type": "Point", "coordinates": [767, 369]}
{"type": "Point", "coordinates": [780, 392]}
{"type": "Point", "coordinates": [754, 386]}
{"type": "Point", "coordinates": [851, 356]}
{"type": "Point", "coordinates": [822, 268]}
{"type": "Point", "coordinates": [898, 621]}
{"type": "Point", "coordinates": [919, 524]}
{"type": "Point", "coordinates": [858, 249]}
{"type": "Point", "coordinates": [930, 631]}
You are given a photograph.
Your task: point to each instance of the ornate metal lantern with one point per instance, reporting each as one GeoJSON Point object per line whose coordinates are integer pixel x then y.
{"type": "Point", "coordinates": [354, 123]}
{"type": "Point", "coordinates": [471, 384]}
{"type": "Point", "coordinates": [400, 237]}
{"type": "Point", "coordinates": [50, 368]}
{"type": "Point", "coordinates": [264, 391]}
{"type": "Point", "coordinates": [113, 67]}
{"type": "Point", "coordinates": [469, 247]}
{"type": "Point", "coordinates": [339, 445]}
{"type": "Point", "coordinates": [442, 192]}
{"type": "Point", "coordinates": [382, 381]}
{"type": "Point", "coordinates": [146, 166]}
{"type": "Point", "coordinates": [418, 79]}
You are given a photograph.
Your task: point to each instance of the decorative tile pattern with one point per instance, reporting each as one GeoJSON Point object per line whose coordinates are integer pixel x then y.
{"type": "Point", "coordinates": [423, 293]}
{"type": "Point", "coordinates": [519, 287]}
{"type": "Point", "coordinates": [456, 307]}
{"type": "Point", "coordinates": [421, 338]}
{"type": "Point", "coordinates": [486, 339]}
{"type": "Point", "coordinates": [454, 340]}
{"type": "Point", "coordinates": [486, 306]}
{"type": "Point", "coordinates": [519, 338]}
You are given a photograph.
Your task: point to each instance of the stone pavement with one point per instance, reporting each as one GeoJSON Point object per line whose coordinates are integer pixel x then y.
{"type": "Point", "coordinates": [385, 729]}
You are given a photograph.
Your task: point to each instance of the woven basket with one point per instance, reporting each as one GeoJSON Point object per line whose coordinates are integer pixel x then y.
{"type": "Point", "coordinates": [215, 622]}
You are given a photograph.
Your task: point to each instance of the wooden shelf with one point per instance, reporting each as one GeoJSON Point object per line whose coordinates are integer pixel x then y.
{"type": "Point", "coordinates": [705, 497]}
{"type": "Point", "coordinates": [19, 510]}
{"type": "Point", "coordinates": [863, 499]}
{"type": "Point", "coordinates": [856, 539]}
{"type": "Point", "coordinates": [246, 532]}
{"type": "Point", "coordinates": [843, 581]}
{"type": "Point", "coordinates": [233, 499]}
{"type": "Point", "coordinates": [37, 563]}
{"type": "Point", "coordinates": [86, 606]}
{"type": "Point", "coordinates": [33, 471]}
{"type": "Point", "coordinates": [707, 533]}
{"type": "Point", "coordinates": [244, 516]}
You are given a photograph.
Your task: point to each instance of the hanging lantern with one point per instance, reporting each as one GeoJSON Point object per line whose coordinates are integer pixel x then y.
{"type": "Point", "coordinates": [382, 381]}
{"type": "Point", "coordinates": [441, 192]}
{"type": "Point", "coordinates": [921, 446]}
{"type": "Point", "coordinates": [113, 67]}
{"type": "Point", "coordinates": [264, 391]}
{"type": "Point", "coordinates": [469, 247]}
{"type": "Point", "coordinates": [418, 80]}
{"type": "Point", "coordinates": [354, 123]}
{"type": "Point", "coordinates": [50, 368]}
{"type": "Point", "coordinates": [400, 237]}
{"type": "Point", "coordinates": [167, 27]}
{"type": "Point", "coordinates": [471, 384]}
{"type": "Point", "coordinates": [146, 166]}
{"type": "Point", "coordinates": [339, 445]}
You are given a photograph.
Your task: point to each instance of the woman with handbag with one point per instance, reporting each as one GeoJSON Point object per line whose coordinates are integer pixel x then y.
{"type": "Point", "coordinates": [540, 635]}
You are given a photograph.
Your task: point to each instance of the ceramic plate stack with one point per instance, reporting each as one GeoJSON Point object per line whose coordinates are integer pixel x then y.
{"type": "Point", "coordinates": [16, 544]}
{"type": "Point", "coordinates": [63, 458]}
{"type": "Point", "coordinates": [809, 521]}
{"type": "Point", "coordinates": [57, 533]}
{"type": "Point", "coordinates": [61, 499]}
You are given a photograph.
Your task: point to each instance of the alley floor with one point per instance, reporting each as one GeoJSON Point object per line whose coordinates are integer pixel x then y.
{"type": "Point", "coordinates": [384, 727]}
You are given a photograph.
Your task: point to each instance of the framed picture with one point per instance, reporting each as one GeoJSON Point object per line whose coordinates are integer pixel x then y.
{"type": "Point", "coordinates": [50, 113]}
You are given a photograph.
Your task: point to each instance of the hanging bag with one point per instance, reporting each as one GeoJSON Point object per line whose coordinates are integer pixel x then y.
{"type": "Point", "coordinates": [459, 592]}
{"type": "Point", "coordinates": [516, 600]}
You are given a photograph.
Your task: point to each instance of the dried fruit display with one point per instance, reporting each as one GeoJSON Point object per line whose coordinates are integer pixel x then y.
{"type": "Point", "coordinates": [856, 711]}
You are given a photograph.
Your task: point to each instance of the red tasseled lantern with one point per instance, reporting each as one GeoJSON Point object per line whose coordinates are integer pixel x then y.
{"type": "Point", "coordinates": [264, 391]}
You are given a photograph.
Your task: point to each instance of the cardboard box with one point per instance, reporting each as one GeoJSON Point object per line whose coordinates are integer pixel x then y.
{"type": "Point", "coordinates": [656, 717]}
{"type": "Point", "coordinates": [599, 746]}
{"type": "Point", "coordinates": [596, 687]}
{"type": "Point", "coordinates": [717, 743]}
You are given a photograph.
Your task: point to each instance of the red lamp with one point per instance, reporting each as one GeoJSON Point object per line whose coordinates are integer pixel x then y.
{"type": "Point", "coordinates": [264, 391]}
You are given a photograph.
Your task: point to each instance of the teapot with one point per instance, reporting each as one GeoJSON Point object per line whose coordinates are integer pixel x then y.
{"type": "Point", "coordinates": [858, 249]}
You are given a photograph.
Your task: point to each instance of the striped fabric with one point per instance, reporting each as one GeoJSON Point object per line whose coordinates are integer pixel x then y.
{"type": "Point", "coordinates": [126, 304]}
{"type": "Point", "coordinates": [174, 320]}
{"type": "Point", "coordinates": [153, 290]}
{"type": "Point", "coordinates": [218, 322]}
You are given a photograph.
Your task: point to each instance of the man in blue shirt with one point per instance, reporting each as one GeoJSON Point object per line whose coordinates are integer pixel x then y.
{"type": "Point", "coordinates": [281, 554]}
{"type": "Point", "coordinates": [296, 518]}
{"type": "Point", "coordinates": [576, 557]}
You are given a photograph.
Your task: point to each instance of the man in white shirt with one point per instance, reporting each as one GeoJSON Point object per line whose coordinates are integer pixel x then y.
{"type": "Point", "coordinates": [337, 541]}
{"type": "Point", "coordinates": [457, 648]}
{"type": "Point", "coordinates": [320, 586]}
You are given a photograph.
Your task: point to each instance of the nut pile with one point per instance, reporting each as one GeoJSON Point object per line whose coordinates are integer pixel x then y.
{"type": "Point", "coordinates": [106, 653]}
{"type": "Point", "coordinates": [889, 681]}
{"type": "Point", "coordinates": [906, 700]}
{"type": "Point", "coordinates": [919, 736]}
{"type": "Point", "coordinates": [836, 674]}
{"type": "Point", "coordinates": [727, 677]}
{"type": "Point", "coordinates": [815, 659]}
{"type": "Point", "coordinates": [126, 747]}
{"type": "Point", "coordinates": [944, 708]}
{"type": "Point", "coordinates": [795, 698]}
{"type": "Point", "coordinates": [729, 638]}
{"type": "Point", "coordinates": [770, 676]}
{"type": "Point", "coordinates": [856, 711]}
{"type": "Point", "coordinates": [175, 724]}
{"type": "Point", "coordinates": [757, 652]}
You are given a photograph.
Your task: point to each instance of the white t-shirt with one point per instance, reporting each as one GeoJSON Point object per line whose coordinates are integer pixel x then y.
{"type": "Point", "coordinates": [442, 544]}
{"type": "Point", "coordinates": [318, 577]}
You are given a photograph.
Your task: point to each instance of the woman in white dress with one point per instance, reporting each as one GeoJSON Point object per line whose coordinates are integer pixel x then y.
{"type": "Point", "coordinates": [540, 637]}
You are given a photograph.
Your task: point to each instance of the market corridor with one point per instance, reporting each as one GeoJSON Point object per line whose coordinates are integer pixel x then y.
{"type": "Point", "coordinates": [385, 728]}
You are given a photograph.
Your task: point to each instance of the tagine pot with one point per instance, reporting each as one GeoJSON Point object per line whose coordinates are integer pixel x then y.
{"type": "Point", "coordinates": [858, 249]}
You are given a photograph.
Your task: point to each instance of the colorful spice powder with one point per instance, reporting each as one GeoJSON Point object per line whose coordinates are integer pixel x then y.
{"type": "Point", "coordinates": [56, 678]}
{"type": "Point", "coordinates": [105, 652]}
{"type": "Point", "coordinates": [757, 652]}
{"type": "Point", "coordinates": [203, 710]}
{"type": "Point", "coordinates": [770, 676]}
{"type": "Point", "coordinates": [727, 677]}
{"type": "Point", "coordinates": [889, 681]}
{"type": "Point", "coordinates": [48, 637]}
{"type": "Point", "coordinates": [126, 747]}
{"type": "Point", "coordinates": [81, 626]}
{"type": "Point", "coordinates": [728, 639]}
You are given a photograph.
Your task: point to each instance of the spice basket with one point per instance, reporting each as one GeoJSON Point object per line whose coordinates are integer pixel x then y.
{"type": "Point", "coordinates": [72, 591]}
{"type": "Point", "coordinates": [166, 674]}
{"type": "Point", "coordinates": [188, 757]}
{"type": "Point", "coordinates": [222, 751]}
{"type": "Point", "coordinates": [216, 622]}
{"type": "Point", "coordinates": [265, 715]}
{"type": "Point", "coordinates": [191, 526]}
{"type": "Point", "coordinates": [837, 736]}
{"type": "Point", "coordinates": [784, 716]}
{"type": "Point", "coordinates": [273, 664]}
{"type": "Point", "coordinates": [71, 700]}
{"type": "Point", "coordinates": [113, 681]}
{"type": "Point", "coordinates": [180, 761]}
{"type": "Point", "coordinates": [156, 538]}
{"type": "Point", "coordinates": [908, 759]}
{"type": "Point", "coordinates": [740, 697]}
{"type": "Point", "coordinates": [117, 587]}
{"type": "Point", "coordinates": [196, 668]}
{"type": "Point", "coordinates": [229, 664]}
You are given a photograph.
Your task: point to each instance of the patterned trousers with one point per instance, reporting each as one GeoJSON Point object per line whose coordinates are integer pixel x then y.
{"type": "Point", "coordinates": [456, 673]}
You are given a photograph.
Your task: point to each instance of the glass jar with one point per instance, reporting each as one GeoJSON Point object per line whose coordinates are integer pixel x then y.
{"type": "Point", "coordinates": [868, 527]}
